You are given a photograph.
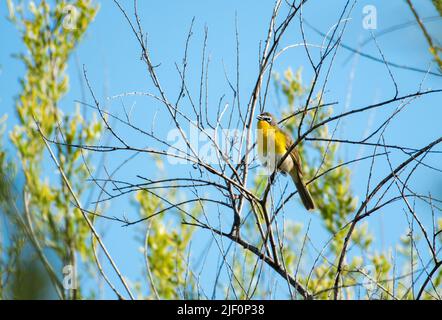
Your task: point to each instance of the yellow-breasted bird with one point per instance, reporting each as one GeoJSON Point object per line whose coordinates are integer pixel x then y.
{"type": "Point", "coordinates": [273, 143]}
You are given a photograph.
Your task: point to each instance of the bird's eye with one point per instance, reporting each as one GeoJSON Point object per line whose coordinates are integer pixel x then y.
{"type": "Point", "coordinates": [268, 119]}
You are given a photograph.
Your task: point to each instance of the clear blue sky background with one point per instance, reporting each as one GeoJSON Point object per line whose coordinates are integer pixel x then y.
{"type": "Point", "coordinates": [112, 57]}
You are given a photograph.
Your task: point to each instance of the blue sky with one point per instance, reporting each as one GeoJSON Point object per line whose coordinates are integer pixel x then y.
{"type": "Point", "coordinates": [112, 57]}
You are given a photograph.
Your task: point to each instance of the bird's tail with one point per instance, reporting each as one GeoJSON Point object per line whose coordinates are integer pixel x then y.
{"type": "Point", "coordinates": [305, 195]}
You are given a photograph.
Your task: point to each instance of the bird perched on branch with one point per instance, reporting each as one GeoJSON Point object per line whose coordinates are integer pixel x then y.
{"type": "Point", "coordinates": [273, 143]}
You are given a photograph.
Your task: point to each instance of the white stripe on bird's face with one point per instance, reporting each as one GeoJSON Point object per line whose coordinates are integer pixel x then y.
{"type": "Point", "coordinates": [267, 117]}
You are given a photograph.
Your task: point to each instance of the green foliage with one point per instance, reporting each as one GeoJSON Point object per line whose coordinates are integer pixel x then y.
{"type": "Point", "coordinates": [49, 43]}
{"type": "Point", "coordinates": [332, 192]}
{"type": "Point", "coordinates": [438, 5]}
{"type": "Point", "coordinates": [21, 273]}
{"type": "Point", "coordinates": [6, 169]}
{"type": "Point", "coordinates": [336, 205]}
{"type": "Point", "coordinates": [29, 280]}
{"type": "Point", "coordinates": [166, 247]}
{"type": "Point", "coordinates": [436, 50]}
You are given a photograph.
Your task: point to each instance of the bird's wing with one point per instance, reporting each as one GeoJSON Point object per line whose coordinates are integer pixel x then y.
{"type": "Point", "coordinates": [294, 153]}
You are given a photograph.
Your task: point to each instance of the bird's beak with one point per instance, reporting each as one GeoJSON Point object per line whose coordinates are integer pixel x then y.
{"type": "Point", "coordinates": [259, 117]}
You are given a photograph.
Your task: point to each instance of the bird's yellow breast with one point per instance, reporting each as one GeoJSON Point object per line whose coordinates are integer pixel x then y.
{"type": "Point", "coordinates": [270, 137]}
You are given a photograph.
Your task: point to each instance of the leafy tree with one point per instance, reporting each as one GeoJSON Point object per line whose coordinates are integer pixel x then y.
{"type": "Point", "coordinates": [50, 33]}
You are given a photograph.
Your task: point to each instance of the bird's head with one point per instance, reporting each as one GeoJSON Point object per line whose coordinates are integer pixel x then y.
{"type": "Point", "coordinates": [267, 117]}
